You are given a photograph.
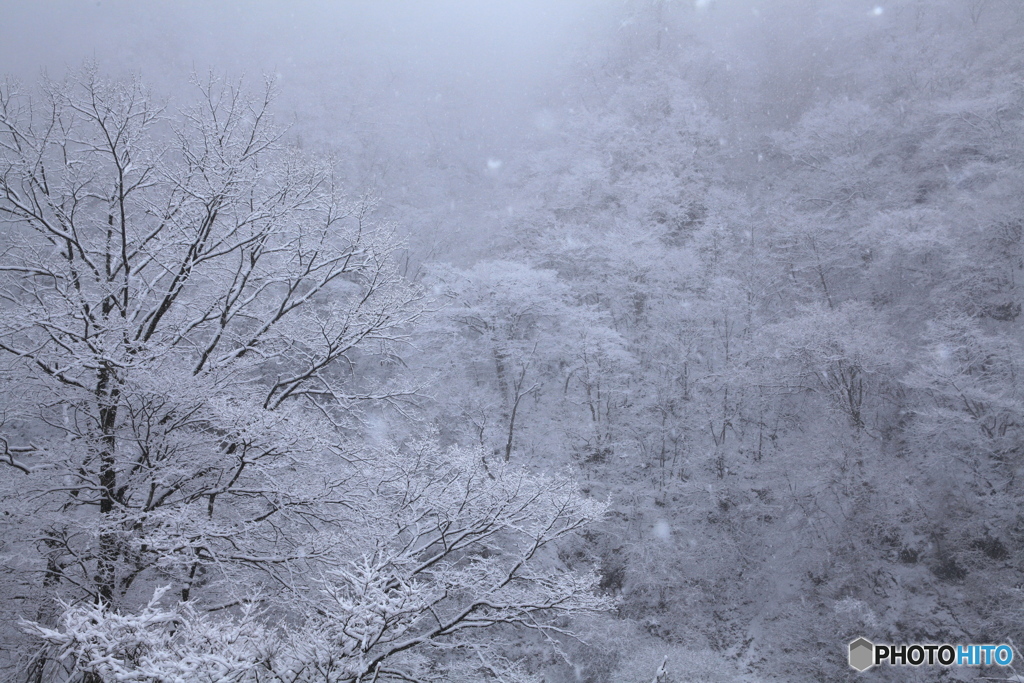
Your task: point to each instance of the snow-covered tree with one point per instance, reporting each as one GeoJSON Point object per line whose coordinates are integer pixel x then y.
{"type": "Point", "coordinates": [169, 284]}
{"type": "Point", "coordinates": [432, 547]}
{"type": "Point", "coordinates": [185, 304]}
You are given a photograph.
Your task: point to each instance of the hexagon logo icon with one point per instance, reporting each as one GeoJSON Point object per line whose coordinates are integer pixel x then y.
{"type": "Point", "coordinates": [862, 654]}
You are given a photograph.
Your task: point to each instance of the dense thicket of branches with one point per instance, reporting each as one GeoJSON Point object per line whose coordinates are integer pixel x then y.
{"type": "Point", "coordinates": [797, 376]}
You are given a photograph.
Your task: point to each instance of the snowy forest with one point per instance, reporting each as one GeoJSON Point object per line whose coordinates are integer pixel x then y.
{"type": "Point", "coordinates": [579, 341]}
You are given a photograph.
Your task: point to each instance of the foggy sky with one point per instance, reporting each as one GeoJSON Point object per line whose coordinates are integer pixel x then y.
{"type": "Point", "coordinates": [496, 54]}
{"type": "Point", "coordinates": [425, 101]}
